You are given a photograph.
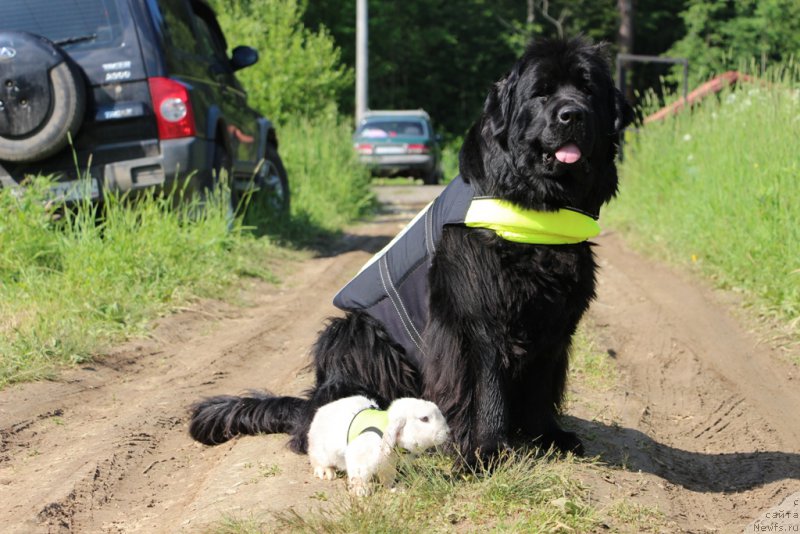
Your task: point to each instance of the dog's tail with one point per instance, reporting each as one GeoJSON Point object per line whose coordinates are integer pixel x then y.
{"type": "Point", "coordinates": [215, 420]}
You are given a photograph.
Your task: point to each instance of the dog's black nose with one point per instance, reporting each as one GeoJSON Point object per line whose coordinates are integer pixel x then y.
{"type": "Point", "coordinates": [570, 114]}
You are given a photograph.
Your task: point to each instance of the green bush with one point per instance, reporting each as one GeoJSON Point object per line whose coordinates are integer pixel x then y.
{"type": "Point", "coordinates": [721, 35]}
{"type": "Point", "coordinates": [299, 72]}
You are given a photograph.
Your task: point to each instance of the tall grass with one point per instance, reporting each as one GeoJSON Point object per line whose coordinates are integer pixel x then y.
{"type": "Point", "coordinates": [73, 280]}
{"type": "Point", "coordinates": [719, 188]}
{"type": "Point", "coordinates": [329, 187]}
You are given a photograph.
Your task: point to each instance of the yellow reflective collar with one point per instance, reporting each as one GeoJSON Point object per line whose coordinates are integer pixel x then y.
{"type": "Point", "coordinates": [520, 225]}
{"type": "Point", "coordinates": [368, 420]}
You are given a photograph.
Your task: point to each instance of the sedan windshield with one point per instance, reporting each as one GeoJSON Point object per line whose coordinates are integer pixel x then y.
{"type": "Point", "coordinates": [392, 128]}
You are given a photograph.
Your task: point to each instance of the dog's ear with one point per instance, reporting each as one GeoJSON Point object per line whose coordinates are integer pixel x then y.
{"type": "Point", "coordinates": [623, 112]}
{"type": "Point", "coordinates": [499, 104]}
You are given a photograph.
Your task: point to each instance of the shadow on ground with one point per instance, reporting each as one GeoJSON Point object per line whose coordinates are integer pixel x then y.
{"type": "Point", "coordinates": [633, 450]}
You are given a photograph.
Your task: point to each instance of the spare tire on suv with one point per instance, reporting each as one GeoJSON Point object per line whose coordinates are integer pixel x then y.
{"type": "Point", "coordinates": [42, 97]}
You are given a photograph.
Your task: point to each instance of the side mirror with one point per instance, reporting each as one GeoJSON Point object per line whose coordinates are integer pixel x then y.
{"type": "Point", "coordinates": [438, 138]}
{"type": "Point", "coordinates": [243, 56]}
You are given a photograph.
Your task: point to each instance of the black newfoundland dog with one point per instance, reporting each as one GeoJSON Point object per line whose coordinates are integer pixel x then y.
{"type": "Point", "coordinates": [485, 331]}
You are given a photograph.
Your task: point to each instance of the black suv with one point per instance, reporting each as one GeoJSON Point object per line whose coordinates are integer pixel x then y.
{"type": "Point", "coordinates": [141, 91]}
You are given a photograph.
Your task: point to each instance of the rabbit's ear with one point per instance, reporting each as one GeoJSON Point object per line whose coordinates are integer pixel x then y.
{"type": "Point", "coordinates": [393, 431]}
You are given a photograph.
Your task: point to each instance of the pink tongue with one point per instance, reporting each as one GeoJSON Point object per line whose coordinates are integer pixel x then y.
{"type": "Point", "coordinates": [568, 153]}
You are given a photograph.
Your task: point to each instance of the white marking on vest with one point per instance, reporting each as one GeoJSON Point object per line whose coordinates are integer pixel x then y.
{"type": "Point", "coordinates": [386, 289]}
{"type": "Point", "coordinates": [400, 300]}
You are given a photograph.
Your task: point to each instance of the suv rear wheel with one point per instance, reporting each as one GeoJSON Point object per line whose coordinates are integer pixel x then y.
{"type": "Point", "coordinates": [42, 97]}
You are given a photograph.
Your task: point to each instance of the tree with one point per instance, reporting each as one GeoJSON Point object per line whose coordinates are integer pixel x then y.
{"type": "Point", "coordinates": [300, 71]}
{"type": "Point", "coordinates": [721, 35]}
{"type": "Point", "coordinates": [443, 55]}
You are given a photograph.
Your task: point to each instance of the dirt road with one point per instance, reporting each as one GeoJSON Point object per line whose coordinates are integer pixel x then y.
{"type": "Point", "coordinates": [703, 423]}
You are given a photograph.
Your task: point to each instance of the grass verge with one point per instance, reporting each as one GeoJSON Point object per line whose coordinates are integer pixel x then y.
{"type": "Point", "coordinates": [717, 189]}
{"type": "Point", "coordinates": [73, 280]}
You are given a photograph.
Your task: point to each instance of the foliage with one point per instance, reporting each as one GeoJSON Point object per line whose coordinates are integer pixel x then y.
{"type": "Point", "coordinates": [709, 202]}
{"type": "Point", "coordinates": [721, 35]}
{"type": "Point", "coordinates": [299, 71]}
{"type": "Point", "coordinates": [330, 188]}
{"type": "Point", "coordinates": [657, 25]}
{"type": "Point", "coordinates": [450, 152]}
{"type": "Point", "coordinates": [444, 56]}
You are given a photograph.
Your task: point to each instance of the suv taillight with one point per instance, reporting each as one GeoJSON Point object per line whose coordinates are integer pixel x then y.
{"type": "Point", "coordinates": [172, 107]}
{"type": "Point", "coordinates": [415, 148]}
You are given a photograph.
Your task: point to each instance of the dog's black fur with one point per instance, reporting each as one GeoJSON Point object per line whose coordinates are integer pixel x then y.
{"type": "Point", "coordinates": [502, 314]}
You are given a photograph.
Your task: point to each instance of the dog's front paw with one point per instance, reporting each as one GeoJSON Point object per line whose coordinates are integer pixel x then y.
{"type": "Point", "coordinates": [359, 486]}
{"type": "Point", "coordinates": [324, 473]}
{"type": "Point", "coordinates": [564, 441]}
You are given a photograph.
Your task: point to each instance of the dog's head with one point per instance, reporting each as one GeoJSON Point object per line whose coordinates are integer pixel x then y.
{"type": "Point", "coordinates": [550, 128]}
{"type": "Point", "coordinates": [416, 425]}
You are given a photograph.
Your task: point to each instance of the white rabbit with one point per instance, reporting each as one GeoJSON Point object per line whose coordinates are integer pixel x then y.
{"type": "Point", "coordinates": [351, 434]}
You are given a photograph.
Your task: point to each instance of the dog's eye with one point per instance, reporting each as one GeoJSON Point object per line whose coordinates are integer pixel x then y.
{"type": "Point", "coordinates": [424, 419]}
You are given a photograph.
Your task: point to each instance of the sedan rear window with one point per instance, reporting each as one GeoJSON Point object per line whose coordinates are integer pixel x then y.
{"type": "Point", "coordinates": [74, 23]}
{"type": "Point", "coordinates": [391, 128]}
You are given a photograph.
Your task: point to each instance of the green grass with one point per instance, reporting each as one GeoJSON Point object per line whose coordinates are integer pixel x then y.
{"type": "Point", "coordinates": [636, 518]}
{"type": "Point", "coordinates": [329, 187]}
{"type": "Point", "coordinates": [719, 189]}
{"type": "Point", "coordinates": [522, 492]}
{"type": "Point", "coordinates": [72, 281]}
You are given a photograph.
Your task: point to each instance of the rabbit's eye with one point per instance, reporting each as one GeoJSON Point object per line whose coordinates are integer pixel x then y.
{"type": "Point", "coordinates": [424, 419]}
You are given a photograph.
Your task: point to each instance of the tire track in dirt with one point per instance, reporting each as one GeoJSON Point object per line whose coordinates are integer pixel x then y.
{"type": "Point", "coordinates": [708, 413]}
{"type": "Point", "coordinates": [105, 449]}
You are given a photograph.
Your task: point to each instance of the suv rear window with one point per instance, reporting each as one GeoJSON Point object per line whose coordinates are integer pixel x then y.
{"type": "Point", "coordinates": [391, 128]}
{"type": "Point", "coordinates": [75, 23]}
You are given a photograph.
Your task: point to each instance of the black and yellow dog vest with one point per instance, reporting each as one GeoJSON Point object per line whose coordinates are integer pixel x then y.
{"type": "Point", "coordinates": [393, 286]}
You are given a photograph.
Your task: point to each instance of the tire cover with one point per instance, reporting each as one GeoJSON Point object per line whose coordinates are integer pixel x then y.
{"type": "Point", "coordinates": [26, 91]}
{"type": "Point", "coordinates": [42, 98]}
